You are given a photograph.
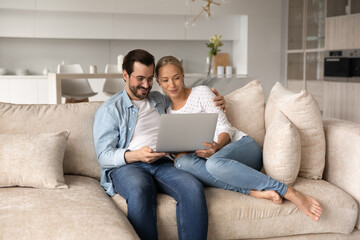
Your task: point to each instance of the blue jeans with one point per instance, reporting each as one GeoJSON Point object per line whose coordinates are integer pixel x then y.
{"type": "Point", "coordinates": [235, 167]}
{"type": "Point", "coordinates": [139, 183]}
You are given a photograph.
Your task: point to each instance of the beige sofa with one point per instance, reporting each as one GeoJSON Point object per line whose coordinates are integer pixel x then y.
{"type": "Point", "coordinates": [50, 177]}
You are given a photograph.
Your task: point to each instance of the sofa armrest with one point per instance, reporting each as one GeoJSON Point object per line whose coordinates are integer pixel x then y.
{"type": "Point", "coordinates": [342, 167]}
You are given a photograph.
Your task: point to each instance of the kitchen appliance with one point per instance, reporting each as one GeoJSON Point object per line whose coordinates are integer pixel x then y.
{"type": "Point", "coordinates": [342, 65]}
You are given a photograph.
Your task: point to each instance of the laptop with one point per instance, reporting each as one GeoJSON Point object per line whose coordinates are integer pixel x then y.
{"type": "Point", "coordinates": [185, 132]}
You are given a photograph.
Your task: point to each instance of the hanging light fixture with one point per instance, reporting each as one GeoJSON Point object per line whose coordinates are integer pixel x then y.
{"type": "Point", "coordinates": [205, 10]}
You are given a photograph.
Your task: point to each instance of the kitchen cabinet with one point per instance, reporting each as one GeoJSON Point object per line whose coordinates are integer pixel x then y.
{"type": "Point", "coordinates": [73, 25]}
{"type": "Point", "coordinates": [336, 7]}
{"type": "Point", "coordinates": [153, 27]}
{"type": "Point", "coordinates": [317, 89]}
{"type": "Point", "coordinates": [227, 26]}
{"type": "Point", "coordinates": [104, 6]}
{"type": "Point", "coordinates": [18, 4]}
{"type": "Point", "coordinates": [113, 25]}
{"type": "Point", "coordinates": [24, 89]}
{"type": "Point", "coordinates": [295, 24]}
{"type": "Point", "coordinates": [342, 100]}
{"type": "Point", "coordinates": [306, 24]}
{"type": "Point", "coordinates": [342, 32]}
{"type": "Point", "coordinates": [16, 23]}
{"type": "Point", "coordinates": [355, 6]}
{"type": "Point", "coordinates": [342, 7]}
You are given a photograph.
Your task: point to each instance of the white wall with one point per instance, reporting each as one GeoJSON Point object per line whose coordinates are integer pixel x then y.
{"type": "Point", "coordinates": [36, 54]}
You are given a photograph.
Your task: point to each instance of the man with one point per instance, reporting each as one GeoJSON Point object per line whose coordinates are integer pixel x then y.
{"type": "Point", "coordinates": [125, 134]}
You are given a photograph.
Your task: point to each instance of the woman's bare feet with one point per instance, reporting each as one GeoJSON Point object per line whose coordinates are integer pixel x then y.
{"type": "Point", "coordinates": [269, 195]}
{"type": "Point", "coordinates": [306, 204]}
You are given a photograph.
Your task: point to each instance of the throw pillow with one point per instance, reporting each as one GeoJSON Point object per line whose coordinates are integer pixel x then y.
{"type": "Point", "coordinates": [32, 160]}
{"type": "Point", "coordinates": [303, 111]}
{"type": "Point", "coordinates": [282, 150]}
{"type": "Point", "coordinates": [245, 109]}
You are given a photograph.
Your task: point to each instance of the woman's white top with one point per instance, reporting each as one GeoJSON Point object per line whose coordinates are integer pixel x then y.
{"type": "Point", "coordinates": [200, 100]}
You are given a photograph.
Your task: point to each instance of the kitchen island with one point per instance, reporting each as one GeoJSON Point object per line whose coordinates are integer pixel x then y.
{"type": "Point", "coordinates": [40, 89]}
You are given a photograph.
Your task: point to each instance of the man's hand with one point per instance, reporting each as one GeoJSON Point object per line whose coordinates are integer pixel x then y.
{"type": "Point", "coordinates": [219, 100]}
{"type": "Point", "coordinates": [206, 153]}
{"type": "Point", "coordinates": [144, 154]}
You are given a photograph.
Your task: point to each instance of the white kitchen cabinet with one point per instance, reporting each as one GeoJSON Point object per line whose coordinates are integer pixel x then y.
{"type": "Point", "coordinates": [115, 6]}
{"type": "Point", "coordinates": [24, 89]}
{"type": "Point", "coordinates": [342, 100]}
{"type": "Point", "coordinates": [18, 4]}
{"type": "Point", "coordinates": [148, 27]}
{"type": "Point", "coordinates": [4, 90]}
{"type": "Point", "coordinates": [71, 22]}
{"type": "Point", "coordinates": [342, 32]}
{"type": "Point", "coordinates": [315, 87]}
{"type": "Point", "coordinates": [73, 25]}
{"type": "Point", "coordinates": [227, 26]}
{"type": "Point", "coordinates": [16, 23]}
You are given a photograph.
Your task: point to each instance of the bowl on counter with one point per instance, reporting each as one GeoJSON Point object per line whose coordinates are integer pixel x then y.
{"type": "Point", "coordinates": [22, 72]}
{"type": "Point", "coordinates": [3, 71]}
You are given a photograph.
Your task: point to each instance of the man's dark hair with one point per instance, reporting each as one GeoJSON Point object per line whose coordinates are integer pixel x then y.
{"type": "Point", "coordinates": [137, 55]}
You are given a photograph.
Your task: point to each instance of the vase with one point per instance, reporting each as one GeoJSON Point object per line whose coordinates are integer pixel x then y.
{"type": "Point", "coordinates": [209, 67]}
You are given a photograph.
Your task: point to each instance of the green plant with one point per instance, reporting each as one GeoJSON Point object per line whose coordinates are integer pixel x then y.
{"type": "Point", "coordinates": [214, 44]}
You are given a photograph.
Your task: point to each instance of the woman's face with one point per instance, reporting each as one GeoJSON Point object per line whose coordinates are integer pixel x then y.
{"type": "Point", "coordinates": [171, 80]}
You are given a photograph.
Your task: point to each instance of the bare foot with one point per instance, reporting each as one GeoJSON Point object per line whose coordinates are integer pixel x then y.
{"type": "Point", "coordinates": [306, 204]}
{"type": "Point", "coordinates": [269, 195]}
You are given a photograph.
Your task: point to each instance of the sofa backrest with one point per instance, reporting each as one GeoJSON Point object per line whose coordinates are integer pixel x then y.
{"type": "Point", "coordinates": [245, 110]}
{"type": "Point", "coordinates": [80, 157]}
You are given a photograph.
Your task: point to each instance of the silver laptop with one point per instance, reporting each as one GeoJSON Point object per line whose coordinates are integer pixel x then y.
{"type": "Point", "coordinates": [185, 132]}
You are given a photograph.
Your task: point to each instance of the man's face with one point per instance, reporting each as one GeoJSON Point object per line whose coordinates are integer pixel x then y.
{"type": "Point", "coordinates": [139, 83]}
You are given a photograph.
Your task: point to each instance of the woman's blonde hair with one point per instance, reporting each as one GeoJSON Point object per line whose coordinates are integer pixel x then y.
{"type": "Point", "coordinates": [168, 60]}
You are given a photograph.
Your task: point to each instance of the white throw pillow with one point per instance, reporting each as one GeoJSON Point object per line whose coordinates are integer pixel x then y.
{"type": "Point", "coordinates": [245, 110]}
{"type": "Point", "coordinates": [303, 111]}
{"type": "Point", "coordinates": [282, 150]}
{"type": "Point", "coordinates": [33, 160]}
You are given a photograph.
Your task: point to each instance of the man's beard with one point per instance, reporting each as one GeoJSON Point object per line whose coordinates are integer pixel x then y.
{"type": "Point", "coordinates": [134, 91]}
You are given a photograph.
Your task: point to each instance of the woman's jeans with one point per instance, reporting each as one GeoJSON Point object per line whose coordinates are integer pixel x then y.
{"type": "Point", "coordinates": [235, 167]}
{"type": "Point", "coordinates": [139, 184]}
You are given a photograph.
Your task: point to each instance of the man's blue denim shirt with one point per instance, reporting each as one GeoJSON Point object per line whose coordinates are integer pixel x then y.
{"type": "Point", "coordinates": [114, 126]}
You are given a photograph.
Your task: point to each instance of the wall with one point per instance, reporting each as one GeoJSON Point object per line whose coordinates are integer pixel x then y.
{"type": "Point", "coordinates": [36, 54]}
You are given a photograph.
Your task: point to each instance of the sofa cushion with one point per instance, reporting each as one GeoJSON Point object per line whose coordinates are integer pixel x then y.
{"type": "Point", "coordinates": [282, 150]}
{"type": "Point", "coordinates": [83, 211]}
{"type": "Point", "coordinates": [304, 112]}
{"type": "Point", "coordinates": [32, 160]}
{"type": "Point", "coordinates": [80, 157]}
{"type": "Point", "coordinates": [237, 216]}
{"type": "Point", "coordinates": [245, 108]}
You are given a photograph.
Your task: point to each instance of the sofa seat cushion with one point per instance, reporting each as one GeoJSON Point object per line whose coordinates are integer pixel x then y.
{"type": "Point", "coordinates": [236, 216]}
{"type": "Point", "coordinates": [83, 211]}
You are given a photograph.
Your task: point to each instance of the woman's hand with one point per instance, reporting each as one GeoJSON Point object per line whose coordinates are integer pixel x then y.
{"type": "Point", "coordinates": [206, 153]}
{"type": "Point", "coordinates": [219, 100]}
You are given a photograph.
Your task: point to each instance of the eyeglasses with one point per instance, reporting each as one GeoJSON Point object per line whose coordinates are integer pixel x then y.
{"type": "Point", "coordinates": [142, 79]}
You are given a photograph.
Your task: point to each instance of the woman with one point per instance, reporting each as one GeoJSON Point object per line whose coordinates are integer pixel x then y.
{"type": "Point", "coordinates": [234, 160]}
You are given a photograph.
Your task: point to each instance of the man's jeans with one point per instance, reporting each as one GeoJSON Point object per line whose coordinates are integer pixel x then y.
{"type": "Point", "coordinates": [235, 167]}
{"type": "Point", "coordinates": [139, 183]}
